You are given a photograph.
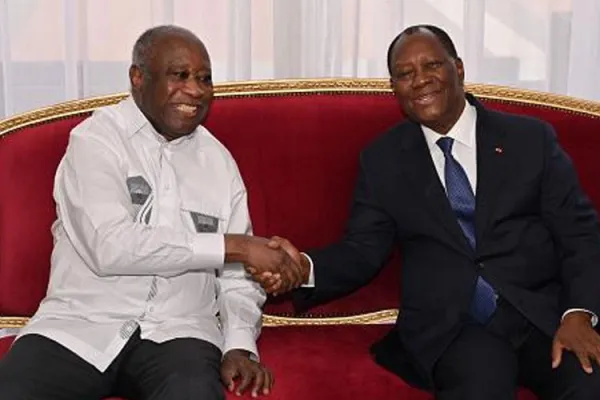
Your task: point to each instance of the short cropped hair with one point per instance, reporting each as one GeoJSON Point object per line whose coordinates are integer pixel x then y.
{"type": "Point", "coordinates": [141, 49]}
{"type": "Point", "coordinates": [439, 33]}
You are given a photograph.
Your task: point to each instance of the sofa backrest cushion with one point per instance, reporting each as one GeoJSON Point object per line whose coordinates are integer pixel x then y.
{"type": "Point", "coordinates": [298, 155]}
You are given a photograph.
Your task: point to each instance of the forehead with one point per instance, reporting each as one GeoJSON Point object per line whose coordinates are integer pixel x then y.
{"type": "Point", "coordinates": [422, 43]}
{"type": "Point", "coordinates": [180, 50]}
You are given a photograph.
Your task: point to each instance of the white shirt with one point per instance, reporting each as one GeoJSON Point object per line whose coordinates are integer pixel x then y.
{"type": "Point", "coordinates": [464, 150]}
{"type": "Point", "coordinates": [139, 241]}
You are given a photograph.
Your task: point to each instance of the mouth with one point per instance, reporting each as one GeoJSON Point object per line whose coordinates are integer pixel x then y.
{"type": "Point", "coordinates": [188, 110]}
{"type": "Point", "coordinates": [426, 99]}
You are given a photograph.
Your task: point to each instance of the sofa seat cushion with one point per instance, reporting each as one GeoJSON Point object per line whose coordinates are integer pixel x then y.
{"type": "Point", "coordinates": [329, 362]}
{"type": "Point", "coordinates": [333, 362]}
{"type": "Point", "coordinates": [325, 363]}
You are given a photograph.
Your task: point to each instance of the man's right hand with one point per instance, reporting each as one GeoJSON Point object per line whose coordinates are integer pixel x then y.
{"type": "Point", "coordinates": [267, 264]}
{"type": "Point", "coordinates": [276, 285]}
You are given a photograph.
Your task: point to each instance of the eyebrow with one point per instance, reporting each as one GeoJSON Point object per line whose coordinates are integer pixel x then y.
{"type": "Point", "coordinates": [182, 65]}
{"type": "Point", "coordinates": [427, 59]}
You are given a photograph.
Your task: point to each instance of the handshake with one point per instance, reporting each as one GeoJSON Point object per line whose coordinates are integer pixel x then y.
{"type": "Point", "coordinates": [276, 264]}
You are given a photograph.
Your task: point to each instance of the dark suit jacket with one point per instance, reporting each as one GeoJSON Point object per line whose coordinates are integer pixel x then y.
{"type": "Point", "coordinates": [538, 241]}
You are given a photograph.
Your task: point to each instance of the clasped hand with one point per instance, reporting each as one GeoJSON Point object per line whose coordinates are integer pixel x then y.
{"type": "Point", "coordinates": [276, 264]}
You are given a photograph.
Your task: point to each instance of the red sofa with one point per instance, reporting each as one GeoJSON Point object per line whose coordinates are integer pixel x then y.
{"type": "Point", "coordinates": [297, 144]}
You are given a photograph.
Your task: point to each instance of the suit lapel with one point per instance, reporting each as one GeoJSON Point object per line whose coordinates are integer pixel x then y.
{"type": "Point", "coordinates": [492, 168]}
{"type": "Point", "coordinates": [418, 168]}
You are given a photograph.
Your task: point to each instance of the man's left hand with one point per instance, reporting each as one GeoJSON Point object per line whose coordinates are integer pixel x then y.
{"type": "Point", "coordinates": [237, 365]}
{"type": "Point", "coordinates": [576, 334]}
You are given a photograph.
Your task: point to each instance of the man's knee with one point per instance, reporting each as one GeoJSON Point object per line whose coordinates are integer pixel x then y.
{"type": "Point", "coordinates": [472, 391]}
{"type": "Point", "coordinates": [198, 373]}
{"type": "Point", "coordinates": [586, 388]}
{"type": "Point", "coordinates": [489, 381]}
{"type": "Point", "coordinates": [39, 368]}
{"type": "Point", "coordinates": [184, 384]}
{"type": "Point", "coordinates": [571, 382]}
{"type": "Point", "coordinates": [477, 387]}
{"type": "Point", "coordinates": [477, 365]}
{"type": "Point", "coordinates": [15, 386]}
{"type": "Point", "coordinates": [13, 391]}
{"type": "Point", "coordinates": [8, 387]}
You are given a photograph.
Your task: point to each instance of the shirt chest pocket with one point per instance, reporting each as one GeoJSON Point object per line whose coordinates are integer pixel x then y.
{"type": "Point", "coordinates": [203, 217]}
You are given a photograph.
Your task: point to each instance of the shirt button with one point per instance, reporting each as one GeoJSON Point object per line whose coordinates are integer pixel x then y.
{"type": "Point", "coordinates": [151, 309]}
{"type": "Point", "coordinates": [481, 265]}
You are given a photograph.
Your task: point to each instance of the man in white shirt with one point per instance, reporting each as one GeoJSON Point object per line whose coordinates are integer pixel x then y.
{"type": "Point", "coordinates": [500, 246]}
{"type": "Point", "coordinates": [148, 297]}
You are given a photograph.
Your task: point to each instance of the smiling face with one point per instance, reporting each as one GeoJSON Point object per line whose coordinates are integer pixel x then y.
{"type": "Point", "coordinates": [174, 89]}
{"type": "Point", "coordinates": [427, 81]}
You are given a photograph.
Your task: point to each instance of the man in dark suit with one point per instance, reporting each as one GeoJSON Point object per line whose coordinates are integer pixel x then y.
{"type": "Point", "coordinates": [500, 247]}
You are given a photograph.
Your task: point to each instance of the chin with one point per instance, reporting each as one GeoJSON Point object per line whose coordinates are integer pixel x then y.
{"type": "Point", "coordinates": [184, 128]}
{"type": "Point", "coordinates": [427, 116]}
{"type": "Point", "coordinates": [184, 131]}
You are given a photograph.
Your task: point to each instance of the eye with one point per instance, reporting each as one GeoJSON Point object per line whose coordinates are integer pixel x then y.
{"type": "Point", "coordinates": [403, 74]}
{"type": "Point", "coordinates": [206, 79]}
{"type": "Point", "coordinates": [181, 75]}
{"type": "Point", "coordinates": [434, 64]}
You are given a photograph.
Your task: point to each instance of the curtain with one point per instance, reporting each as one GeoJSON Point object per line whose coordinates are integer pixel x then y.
{"type": "Point", "coordinates": [57, 50]}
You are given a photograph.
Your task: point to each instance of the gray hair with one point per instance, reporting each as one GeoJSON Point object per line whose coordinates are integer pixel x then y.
{"type": "Point", "coordinates": [142, 49]}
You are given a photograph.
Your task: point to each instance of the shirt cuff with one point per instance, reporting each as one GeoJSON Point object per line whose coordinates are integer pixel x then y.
{"type": "Point", "coordinates": [242, 339]}
{"type": "Point", "coordinates": [209, 250]}
{"type": "Point", "coordinates": [311, 275]}
{"type": "Point", "coordinates": [594, 316]}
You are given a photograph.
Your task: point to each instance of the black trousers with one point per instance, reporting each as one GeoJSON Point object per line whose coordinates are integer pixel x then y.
{"type": "Point", "coordinates": [181, 369]}
{"type": "Point", "coordinates": [489, 362]}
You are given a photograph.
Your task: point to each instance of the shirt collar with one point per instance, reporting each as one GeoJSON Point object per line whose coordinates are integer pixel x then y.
{"type": "Point", "coordinates": [463, 130]}
{"type": "Point", "coordinates": [136, 120]}
{"type": "Point", "coordinates": [137, 123]}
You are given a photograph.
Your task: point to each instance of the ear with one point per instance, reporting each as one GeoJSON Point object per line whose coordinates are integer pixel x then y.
{"type": "Point", "coordinates": [136, 77]}
{"type": "Point", "coordinates": [460, 69]}
{"type": "Point", "coordinates": [392, 85]}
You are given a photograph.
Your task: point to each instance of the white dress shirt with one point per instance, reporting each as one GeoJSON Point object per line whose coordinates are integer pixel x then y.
{"type": "Point", "coordinates": [139, 241]}
{"type": "Point", "coordinates": [464, 150]}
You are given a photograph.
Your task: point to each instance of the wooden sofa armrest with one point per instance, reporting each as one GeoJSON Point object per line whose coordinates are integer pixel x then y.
{"type": "Point", "coordinates": [13, 322]}
{"type": "Point", "coordinates": [377, 317]}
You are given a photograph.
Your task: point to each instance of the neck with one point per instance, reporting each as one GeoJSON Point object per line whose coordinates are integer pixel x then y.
{"type": "Point", "coordinates": [138, 101]}
{"type": "Point", "coordinates": [443, 126]}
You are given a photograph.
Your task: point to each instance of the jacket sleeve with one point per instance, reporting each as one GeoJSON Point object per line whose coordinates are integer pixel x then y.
{"type": "Point", "coordinates": [571, 218]}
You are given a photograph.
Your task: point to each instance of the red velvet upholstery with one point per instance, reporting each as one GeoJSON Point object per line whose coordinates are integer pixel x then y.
{"type": "Point", "coordinates": [28, 161]}
{"type": "Point", "coordinates": [337, 369]}
{"type": "Point", "coordinates": [301, 167]}
{"type": "Point", "coordinates": [298, 155]}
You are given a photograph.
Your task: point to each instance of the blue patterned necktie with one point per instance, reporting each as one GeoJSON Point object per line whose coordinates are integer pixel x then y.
{"type": "Point", "coordinates": [462, 200]}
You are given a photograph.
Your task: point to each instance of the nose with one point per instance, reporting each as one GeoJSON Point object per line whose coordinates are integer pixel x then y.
{"type": "Point", "coordinates": [421, 78]}
{"type": "Point", "coordinates": [195, 88]}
